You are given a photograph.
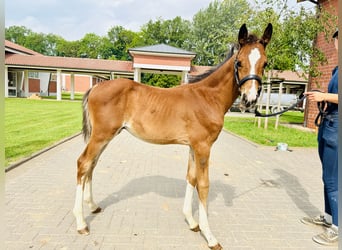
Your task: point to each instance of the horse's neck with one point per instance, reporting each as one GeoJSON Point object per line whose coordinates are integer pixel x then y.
{"type": "Point", "coordinates": [222, 83]}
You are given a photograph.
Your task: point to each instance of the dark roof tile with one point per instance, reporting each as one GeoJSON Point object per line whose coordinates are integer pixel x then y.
{"type": "Point", "coordinates": [68, 63]}
{"type": "Point", "coordinates": [19, 49]}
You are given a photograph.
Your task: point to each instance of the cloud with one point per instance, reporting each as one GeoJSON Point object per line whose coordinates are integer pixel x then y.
{"type": "Point", "coordinates": [72, 19]}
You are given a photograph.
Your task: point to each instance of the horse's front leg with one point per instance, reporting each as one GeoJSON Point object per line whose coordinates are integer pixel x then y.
{"type": "Point", "coordinates": [202, 162]}
{"type": "Point", "coordinates": [191, 183]}
{"type": "Point", "coordinates": [187, 208]}
{"type": "Point", "coordinates": [88, 196]}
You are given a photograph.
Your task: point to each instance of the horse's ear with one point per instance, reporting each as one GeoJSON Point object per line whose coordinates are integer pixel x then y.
{"type": "Point", "coordinates": [243, 34]}
{"type": "Point", "coordinates": [266, 37]}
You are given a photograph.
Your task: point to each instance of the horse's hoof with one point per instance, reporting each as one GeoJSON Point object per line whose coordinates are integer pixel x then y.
{"type": "Point", "coordinates": [84, 231]}
{"type": "Point", "coordinates": [216, 247]}
{"type": "Point", "coordinates": [97, 210]}
{"type": "Point", "coordinates": [196, 229]}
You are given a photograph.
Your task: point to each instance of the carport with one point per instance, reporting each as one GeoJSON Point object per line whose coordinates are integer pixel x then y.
{"type": "Point", "coordinates": [161, 59]}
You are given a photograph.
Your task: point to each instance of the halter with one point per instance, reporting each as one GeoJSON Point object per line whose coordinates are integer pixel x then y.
{"type": "Point", "coordinates": [246, 78]}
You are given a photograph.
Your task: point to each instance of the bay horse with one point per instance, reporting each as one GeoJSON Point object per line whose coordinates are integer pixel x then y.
{"type": "Point", "coordinates": [190, 114]}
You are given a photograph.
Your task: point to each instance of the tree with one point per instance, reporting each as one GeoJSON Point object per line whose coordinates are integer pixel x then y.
{"type": "Point", "coordinates": [121, 40]}
{"type": "Point", "coordinates": [42, 43]}
{"type": "Point", "coordinates": [292, 46]}
{"type": "Point", "coordinates": [160, 80]}
{"type": "Point", "coordinates": [173, 32]}
{"type": "Point", "coordinates": [39, 42]}
{"type": "Point", "coordinates": [106, 49]}
{"type": "Point", "coordinates": [68, 48]}
{"type": "Point", "coordinates": [89, 46]}
{"type": "Point", "coordinates": [17, 34]}
{"type": "Point", "coordinates": [215, 28]}
{"type": "Point", "coordinates": [51, 43]}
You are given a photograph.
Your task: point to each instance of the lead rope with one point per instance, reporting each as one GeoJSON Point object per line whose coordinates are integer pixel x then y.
{"type": "Point", "coordinates": [321, 113]}
{"type": "Point", "coordinates": [258, 114]}
{"type": "Point", "coordinates": [320, 105]}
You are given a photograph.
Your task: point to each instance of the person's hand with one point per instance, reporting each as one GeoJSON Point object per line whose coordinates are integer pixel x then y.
{"type": "Point", "coordinates": [315, 96]}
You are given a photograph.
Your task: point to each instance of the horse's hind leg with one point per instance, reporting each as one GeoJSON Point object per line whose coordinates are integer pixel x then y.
{"type": "Point", "coordinates": [88, 196]}
{"type": "Point", "coordinates": [85, 166]}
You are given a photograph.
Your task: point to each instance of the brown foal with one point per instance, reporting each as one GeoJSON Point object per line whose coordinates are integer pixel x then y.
{"type": "Point", "coordinates": [190, 114]}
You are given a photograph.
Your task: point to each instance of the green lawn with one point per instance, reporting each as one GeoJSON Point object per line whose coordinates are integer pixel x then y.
{"type": "Point", "coordinates": [31, 125]}
{"type": "Point", "coordinates": [66, 96]}
{"type": "Point", "coordinates": [248, 128]}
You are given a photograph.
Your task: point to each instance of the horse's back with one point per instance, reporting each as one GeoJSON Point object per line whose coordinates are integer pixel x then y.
{"type": "Point", "coordinates": [111, 88]}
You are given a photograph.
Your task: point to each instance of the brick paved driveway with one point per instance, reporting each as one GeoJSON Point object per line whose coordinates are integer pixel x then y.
{"type": "Point", "coordinates": [256, 198]}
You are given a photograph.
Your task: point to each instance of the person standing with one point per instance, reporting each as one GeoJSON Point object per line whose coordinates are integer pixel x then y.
{"type": "Point", "coordinates": [328, 154]}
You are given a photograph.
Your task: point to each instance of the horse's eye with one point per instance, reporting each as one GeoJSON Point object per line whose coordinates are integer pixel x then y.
{"type": "Point", "coordinates": [238, 63]}
{"type": "Point", "coordinates": [265, 64]}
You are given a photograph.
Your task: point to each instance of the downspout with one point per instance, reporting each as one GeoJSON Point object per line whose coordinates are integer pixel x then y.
{"type": "Point", "coordinates": [48, 92]}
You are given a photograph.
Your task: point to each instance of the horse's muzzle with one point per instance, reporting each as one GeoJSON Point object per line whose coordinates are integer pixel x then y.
{"type": "Point", "coordinates": [248, 103]}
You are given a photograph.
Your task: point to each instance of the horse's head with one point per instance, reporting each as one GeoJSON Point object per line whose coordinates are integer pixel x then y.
{"type": "Point", "coordinates": [249, 65]}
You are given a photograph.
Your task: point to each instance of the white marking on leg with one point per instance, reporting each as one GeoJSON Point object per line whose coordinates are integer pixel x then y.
{"type": "Point", "coordinates": [78, 208]}
{"type": "Point", "coordinates": [187, 208]}
{"type": "Point", "coordinates": [204, 226]}
{"type": "Point", "coordinates": [88, 196]}
{"type": "Point", "coordinates": [253, 57]}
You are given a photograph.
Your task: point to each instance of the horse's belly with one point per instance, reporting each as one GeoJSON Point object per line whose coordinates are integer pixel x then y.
{"type": "Point", "coordinates": [158, 135]}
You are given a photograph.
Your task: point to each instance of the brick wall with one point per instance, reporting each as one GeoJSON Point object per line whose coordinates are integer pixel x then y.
{"type": "Point", "coordinates": [82, 82]}
{"type": "Point", "coordinates": [34, 85]}
{"type": "Point", "coordinates": [322, 82]}
{"type": "Point", "coordinates": [52, 87]}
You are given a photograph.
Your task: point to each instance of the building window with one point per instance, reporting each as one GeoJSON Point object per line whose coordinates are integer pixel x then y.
{"type": "Point", "coordinates": [53, 77]}
{"type": "Point", "coordinates": [12, 83]}
{"type": "Point", "coordinates": [33, 74]}
{"type": "Point", "coordinates": [12, 79]}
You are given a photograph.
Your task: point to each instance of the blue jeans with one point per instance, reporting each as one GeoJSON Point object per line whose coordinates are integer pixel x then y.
{"type": "Point", "coordinates": [328, 153]}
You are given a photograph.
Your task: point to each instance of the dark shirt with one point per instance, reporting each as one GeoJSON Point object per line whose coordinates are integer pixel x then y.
{"type": "Point", "coordinates": [333, 88]}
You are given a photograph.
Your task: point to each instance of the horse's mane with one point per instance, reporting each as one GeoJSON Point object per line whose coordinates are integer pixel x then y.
{"type": "Point", "coordinates": [250, 39]}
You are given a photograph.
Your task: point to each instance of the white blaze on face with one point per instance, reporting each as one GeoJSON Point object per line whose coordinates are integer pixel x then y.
{"type": "Point", "coordinates": [253, 57]}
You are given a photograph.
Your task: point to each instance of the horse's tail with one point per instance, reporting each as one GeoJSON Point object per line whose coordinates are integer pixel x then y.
{"type": "Point", "coordinates": [86, 128]}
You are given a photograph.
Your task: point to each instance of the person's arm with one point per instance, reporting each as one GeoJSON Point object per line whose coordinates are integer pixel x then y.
{"type": "Point", "coordinates": [320, 96]}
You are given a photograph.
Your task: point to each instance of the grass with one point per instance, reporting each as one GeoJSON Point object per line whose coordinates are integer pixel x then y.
{"type": "Point", "coordinates": [248, 128]}
{"type": "Point", "coordinates": [66, 96]}
{"type": "Point", "coordinates": [292, 117]}
{"type": "Point", "coordinates": [31, 125]}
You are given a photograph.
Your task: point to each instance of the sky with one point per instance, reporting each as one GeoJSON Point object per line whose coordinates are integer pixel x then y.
{"type": "Point", "coordinates": [72, 19]}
